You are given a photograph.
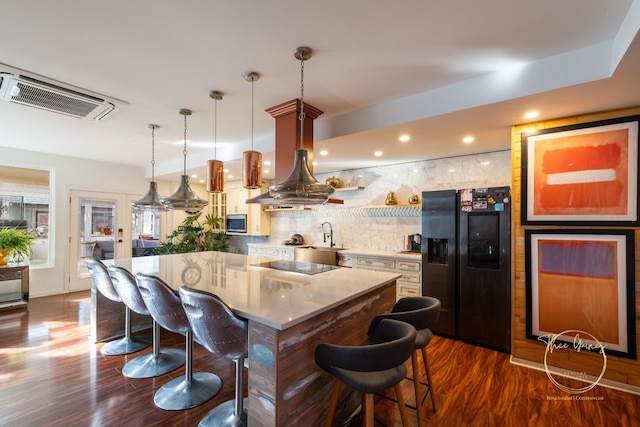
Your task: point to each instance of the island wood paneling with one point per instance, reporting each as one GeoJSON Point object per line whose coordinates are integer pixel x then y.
{"type": "Point", "coordinates": [620, 370]}
{"type": "Point", "coordinates": [283, 366]}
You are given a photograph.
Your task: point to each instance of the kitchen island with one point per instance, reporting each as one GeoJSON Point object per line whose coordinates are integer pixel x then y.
{"type": "Point", "coordinates": [289, 313]}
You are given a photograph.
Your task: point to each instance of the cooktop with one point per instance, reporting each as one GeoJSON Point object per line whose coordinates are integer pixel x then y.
{"type": "Point", "coordinates": [297, 267]}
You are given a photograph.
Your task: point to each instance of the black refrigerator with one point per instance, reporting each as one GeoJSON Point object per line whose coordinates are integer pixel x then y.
{"type": "Point", "coordinates": [466, 259]}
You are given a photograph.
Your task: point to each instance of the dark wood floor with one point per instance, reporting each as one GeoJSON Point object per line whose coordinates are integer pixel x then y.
{"type": "Point", "coordinates": [52, 375]}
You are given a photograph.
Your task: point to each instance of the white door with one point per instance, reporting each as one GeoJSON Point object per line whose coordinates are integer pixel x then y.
{"type": "Point", "coordinates": [97, 229]}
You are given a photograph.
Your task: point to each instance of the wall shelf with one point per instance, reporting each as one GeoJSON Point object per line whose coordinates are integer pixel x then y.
{"type": "Point", "coordinates": [285, 209]}
{"type": "Point", "coordinates": [348, 189]}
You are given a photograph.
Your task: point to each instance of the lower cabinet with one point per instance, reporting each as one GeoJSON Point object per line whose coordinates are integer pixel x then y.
{"type": "Point", "coordinates": [409, 285]}
{"type": "Point", "coordinates": [276, 252]}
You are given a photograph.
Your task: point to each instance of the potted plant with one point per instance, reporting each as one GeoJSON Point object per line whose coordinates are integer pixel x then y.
{"type": "Point", "coordinates": [194, 236]}
{"type": "Point", "coordinates": [14, 242]}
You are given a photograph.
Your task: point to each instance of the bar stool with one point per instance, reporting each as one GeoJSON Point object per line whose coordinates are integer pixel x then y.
{"type": "Point", "coordinates": [225, 335]}
{"type": "Point", "coordinates": [370, 368]}
{"type": "Point", "coordinates": [422, 313]}
{"type": "Point", "coordinates": [152, 364]}
{"type": "Point", "coordinates": [102, 282]}
{"type": "Point", "coordinates": [191, 389]}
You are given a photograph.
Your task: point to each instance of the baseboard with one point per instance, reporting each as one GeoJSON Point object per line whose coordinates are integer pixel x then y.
{"type": "Point", "coordinates": [628, 388]}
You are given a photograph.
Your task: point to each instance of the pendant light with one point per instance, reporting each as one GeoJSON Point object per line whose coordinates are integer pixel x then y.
{"type": "Point", "coordinates": [215, 183]}
{"type": "Point", "coordinates": [300, 187]}
{"type": "Point", "coordinates": [252, 160]}
{"type": "Point", "coordinates": [184, 198]}
{"type": "Point", "coordinates": [151, 201]}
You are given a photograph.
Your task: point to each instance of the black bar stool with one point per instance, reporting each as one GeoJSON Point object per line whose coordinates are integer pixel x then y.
{"type": "Point", "coordinates": [102, 282]}
{"type": "Point", "coordinates": [152, 364]}
{"type": "Point", "coordinates": [370, 368]}
{"type": "Point", "coordinates": [191, 389]}
{"type": "Point", "coordinates": [422, 313]}
{"type": "Point", "coordinates": [225, 335]}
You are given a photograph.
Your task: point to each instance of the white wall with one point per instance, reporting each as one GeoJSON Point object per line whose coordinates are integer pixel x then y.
{"type": "Point", "coordinates": [68, 174]}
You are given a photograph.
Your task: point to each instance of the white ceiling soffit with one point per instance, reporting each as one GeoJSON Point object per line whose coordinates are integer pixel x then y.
{"type": "Point", "coordinates": [433, 70]}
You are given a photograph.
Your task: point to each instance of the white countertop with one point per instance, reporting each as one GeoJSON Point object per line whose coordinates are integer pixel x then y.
{"type": "Point", "coordinates": [276, 298]}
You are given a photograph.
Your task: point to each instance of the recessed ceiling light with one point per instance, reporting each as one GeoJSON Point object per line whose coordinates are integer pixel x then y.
{"type": "Point", "coordinates": [324, 152]}
{"type": "Point", "coordinates": [194, 176]}
{"type": "Point", "coordinates": [314, 163]}
{"type": "Point", "coordinates": [266, 171]}
{"type": "Point", "coordinates": [485, 163]}
{"type": "Point", "coordinates": [531, 115]}
{"type": "Point", "coordinates": [404, 138]}
{"type": "Point", "coordinates": [201, 181]}
{"type": "Point", "coordinates": [378, 153]}
{"type": "Point", "coordinates": [230, 176]}
{"type": "Point", "coordinates": [468, 139]}
{"type": "Point", "coordinates": [266, 163]}
{"type": "Point", "coordinates": [225, 170]}
{"type": "Point", "coordinates": [451, 170]}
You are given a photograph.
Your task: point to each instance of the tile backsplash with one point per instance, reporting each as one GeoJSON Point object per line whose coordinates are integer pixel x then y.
{"type": "Point", "coordinates": [358, 224]}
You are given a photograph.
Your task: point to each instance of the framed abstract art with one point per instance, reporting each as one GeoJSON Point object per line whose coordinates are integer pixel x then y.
{"type": "Point", "coordinates": [582, 280]}
{"type": "Point", "coordinates": [582, 174]}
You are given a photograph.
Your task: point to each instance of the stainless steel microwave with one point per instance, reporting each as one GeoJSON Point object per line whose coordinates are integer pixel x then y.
{"type": "Point", "coordinates": [236, 223]}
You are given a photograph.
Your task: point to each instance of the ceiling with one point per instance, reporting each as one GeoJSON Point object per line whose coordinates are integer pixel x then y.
{"type": "Point", "coordinates": [437, 71]}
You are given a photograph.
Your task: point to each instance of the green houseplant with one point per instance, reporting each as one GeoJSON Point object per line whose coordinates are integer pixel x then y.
{"type": "Point", "coordinates": [195, 236]}
{"type": "Point", "coordinates": [14, 242]}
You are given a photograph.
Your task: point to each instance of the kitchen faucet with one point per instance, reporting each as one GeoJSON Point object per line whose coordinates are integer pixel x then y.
{"type": "Point", "coordinates": [329, 234]}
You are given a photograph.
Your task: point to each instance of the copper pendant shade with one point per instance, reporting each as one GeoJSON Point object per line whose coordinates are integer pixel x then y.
{"type": "Point", "coordinates": [184, 198]}
{"type": "Point", "coordinates": [301, 187]}
{"type": "Point", "coordinates": [151, 201]}
{"type": "Point", "coordinates": [215, 180]}
{"type": "Point", "coordinates": [252, 160]}
{"type": "Point", "coordinates": [215, 168]}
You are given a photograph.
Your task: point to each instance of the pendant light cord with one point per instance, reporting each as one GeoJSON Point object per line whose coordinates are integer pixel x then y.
{"type": "Point", "coordinates": [184, 151]}
{"type": "Point", "coordinates": [252, 80]}
{"type": "Point", "coordinates": [302, 115]}
{"type": "Point", "coordinates": [215, 131]}
{"type": "Point", "coordinates": [153, 152]}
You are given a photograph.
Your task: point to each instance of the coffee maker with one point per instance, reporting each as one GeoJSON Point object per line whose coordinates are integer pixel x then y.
{"type": "Point", "coordinates": [413, 242]}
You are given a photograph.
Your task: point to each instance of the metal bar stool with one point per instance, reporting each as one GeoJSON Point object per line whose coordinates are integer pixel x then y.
{"type": "Point", "coordinates": [102, 282]}
{"type": "Point", "coordinates": [225, 335]}
{"type": "Point", "coordinates": [422, 313]}
{"type": "Point", "coordinates": [370, 368]}
{"type": "Point", "coordinates": [191, 389]}
{"type": "Point", "coordinates": [152, 364]}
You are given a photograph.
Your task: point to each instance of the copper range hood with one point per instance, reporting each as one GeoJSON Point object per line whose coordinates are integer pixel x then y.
{"type": "Point", "coordinates": [287, 135]}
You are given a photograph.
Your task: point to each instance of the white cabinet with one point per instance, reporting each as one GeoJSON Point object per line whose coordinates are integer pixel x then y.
{"type": "Point", "coordinates": [275, 251]}
{"type": "Point", "coordinates": [408, 285]}
{"type": "Point", "coordinates": [235, 199]}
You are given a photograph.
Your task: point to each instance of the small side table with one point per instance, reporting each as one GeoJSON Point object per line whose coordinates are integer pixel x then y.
{"type": "Point", "coordinates": [14, 286]}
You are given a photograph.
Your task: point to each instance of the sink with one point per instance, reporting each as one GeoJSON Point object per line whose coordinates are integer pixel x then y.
{"type": "Point", "coordinates": [317, 255]}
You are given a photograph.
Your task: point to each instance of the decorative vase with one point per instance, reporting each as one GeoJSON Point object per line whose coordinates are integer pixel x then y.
{"type": "Point", "coordinates": [414, 199]}
{"type": "Point", "coordinates": [4, 256]}
{"type": "Point", "coordinates": [332, 182]}
{"type": "Point", "coordinates": [391, 199]}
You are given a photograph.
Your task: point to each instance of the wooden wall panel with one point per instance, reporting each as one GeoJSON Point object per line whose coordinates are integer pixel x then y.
{"type": "Point", "coordinates": [621, 370]}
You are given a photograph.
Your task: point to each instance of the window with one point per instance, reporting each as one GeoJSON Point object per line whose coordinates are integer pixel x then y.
{"type": "Point", "coordinates": [24, 203]}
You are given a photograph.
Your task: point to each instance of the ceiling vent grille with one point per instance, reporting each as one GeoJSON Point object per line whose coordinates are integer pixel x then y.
{"type": "Point", "coordinates": [53, 96]}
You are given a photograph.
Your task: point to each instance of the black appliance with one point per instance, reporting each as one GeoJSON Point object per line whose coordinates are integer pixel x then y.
{"type": "Point", "coordinates": [236, 223]}
{"type": "Point", "coordinates": [466, 259]}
